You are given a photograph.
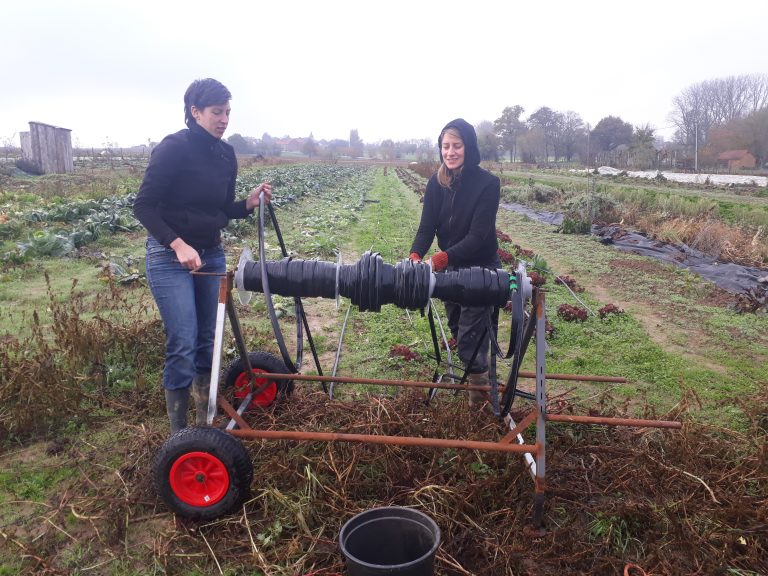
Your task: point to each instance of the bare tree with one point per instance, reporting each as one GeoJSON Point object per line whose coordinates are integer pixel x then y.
{"type": "Point", "coordinates": [8, 144]}
{"type": "Point", "coordinates": [425, 150]}
{"type": "Point", "coordinates": [355, 144]}
{"type": "Point", "coordinates": [487, 141]}
{"type": "Point", "coordinates": [240, 144]}
{"type": "Point", "coordinates": [509, 127]}
{"type": "Point", "coordinates": [309, 148]}
{"type": "Point", "coordinates": [569, 132]}
{"type": "Point", "coordinates": [700, 107]}
{"type": "Point", "coordinates": [531, 145]}
{"type": "Point", "coordinates": [387, 149]}
{"type": "Point", "coordinates": [758, 92]}
{"type": "Point", "coordinates": [546, 120]}
{"type": "Point", "coordinates": [642, 153]}
{"type": "Point", "coordinates": [756, 132]}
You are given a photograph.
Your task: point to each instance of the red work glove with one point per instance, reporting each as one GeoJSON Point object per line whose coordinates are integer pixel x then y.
{"type": "Point", "coordinates": [414, 257]}
{"type": "Point", "coordinates": [439, 261]}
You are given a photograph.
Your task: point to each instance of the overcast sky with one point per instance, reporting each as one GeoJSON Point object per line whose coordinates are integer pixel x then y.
{"type": "Point", "coordinates": [117, 71]}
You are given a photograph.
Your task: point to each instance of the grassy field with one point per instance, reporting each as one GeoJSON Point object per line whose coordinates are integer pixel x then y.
{"type": "Point", "coordinates": [82, 414]}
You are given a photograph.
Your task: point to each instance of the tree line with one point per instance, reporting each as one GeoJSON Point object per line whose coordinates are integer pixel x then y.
{"type": "Point", "coordinates": [710, 117]}
{"type": "Point", "coordinates": [421, 150]}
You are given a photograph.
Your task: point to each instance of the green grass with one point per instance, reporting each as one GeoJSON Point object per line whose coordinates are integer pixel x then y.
{"type": "Point", "coordinates": [613, 532]}
{"type": "Point", "coordinates": [390, 220]}
{"type": "Point", "coordinates": [23, 289]}
{"type": "Point", "coordinates": [727, 349]}
{"type": "Point", "coordinates": [33, 484]}
{"type": "Point", "coordinates": [387, 226]}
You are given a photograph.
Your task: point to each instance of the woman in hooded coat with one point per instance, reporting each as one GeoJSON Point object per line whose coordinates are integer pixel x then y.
{"type": "Point", "coordinates": [460, 206]}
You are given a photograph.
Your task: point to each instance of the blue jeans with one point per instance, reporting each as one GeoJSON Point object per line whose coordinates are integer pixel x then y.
{"type": "Point", "coordinates": [187, 304]}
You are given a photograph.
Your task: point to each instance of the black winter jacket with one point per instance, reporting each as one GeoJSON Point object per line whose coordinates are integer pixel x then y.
{"type": "Point", "coordinates": [463, 218]}
{"type": "Point", "coordinates": [189, 189]}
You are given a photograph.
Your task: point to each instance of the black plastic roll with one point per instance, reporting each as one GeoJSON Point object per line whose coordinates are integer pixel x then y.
{"type": "Point", "coordinates": [369, 283]}
{"type": "Point", "coordinates": [289, 277]}
{"type": "Point", "coordinates": [473, 287]}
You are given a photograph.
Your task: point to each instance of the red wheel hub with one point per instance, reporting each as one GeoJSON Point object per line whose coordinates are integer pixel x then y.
{"type": "Point", "coordinates": [199, 479]}
{"type": "Point", "coordinates": [265, 397]}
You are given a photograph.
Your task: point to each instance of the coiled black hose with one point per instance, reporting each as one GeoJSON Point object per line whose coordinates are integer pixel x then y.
{"type": "Point", "coordinates": [370, 282]}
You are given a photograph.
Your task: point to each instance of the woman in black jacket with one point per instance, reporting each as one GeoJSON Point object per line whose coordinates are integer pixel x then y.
{"type": "Point", "coordinates": [186, 198]}
{"type": "Point", "coordinates": [460, 206]}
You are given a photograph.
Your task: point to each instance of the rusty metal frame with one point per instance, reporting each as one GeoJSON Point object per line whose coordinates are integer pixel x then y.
{"type": "Point", "coordinates": [512, 442]}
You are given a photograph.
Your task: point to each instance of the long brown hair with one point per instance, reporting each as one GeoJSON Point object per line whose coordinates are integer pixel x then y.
{"type": "Point", "coordinates": [445, 176]}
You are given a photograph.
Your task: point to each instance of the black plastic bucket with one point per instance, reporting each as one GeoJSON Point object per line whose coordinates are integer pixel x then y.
{"type": "Point", "coordinates": [391, 540]}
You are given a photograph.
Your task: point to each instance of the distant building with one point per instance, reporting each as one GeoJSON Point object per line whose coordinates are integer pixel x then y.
{"type": "Point", "coordinates": [290, 144]}
{"type": "Point", "coordinates": [736, 159]}
{"type": "Point", "coordinates": [47, 148]}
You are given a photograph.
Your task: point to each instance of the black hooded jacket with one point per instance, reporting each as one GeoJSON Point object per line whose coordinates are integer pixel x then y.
{"type": "Point", "coordinates": [462, 218]}
{"type": "Point", "coordinates": [188, 190]}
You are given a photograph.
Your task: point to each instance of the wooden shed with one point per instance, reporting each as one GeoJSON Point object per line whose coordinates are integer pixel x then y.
{"type": "Point", "coordinates": [48, 148]}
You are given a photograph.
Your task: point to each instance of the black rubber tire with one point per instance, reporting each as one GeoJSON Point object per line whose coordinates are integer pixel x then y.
{"type": "Point", "coordinates": [263, 361]}
{"type": "Point", "coordinates": [189, 447]}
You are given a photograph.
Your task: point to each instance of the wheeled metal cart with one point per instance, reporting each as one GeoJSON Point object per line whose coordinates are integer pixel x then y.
{"type": "Point", "coordinates": [205, 472]}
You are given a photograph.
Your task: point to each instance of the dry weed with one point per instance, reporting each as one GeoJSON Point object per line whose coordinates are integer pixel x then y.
{"type": "Point", "coordinates": [62, 370]}
{"type": "Point", "coordinates": [712, 237]}
{"type": "Point", "coordinates": [672, 502]}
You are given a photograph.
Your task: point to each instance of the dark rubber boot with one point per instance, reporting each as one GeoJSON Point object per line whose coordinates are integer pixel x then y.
{"type": "Point", "coordinates": [177, 404]}
{"type": "Point", "coordinates": [201, 388]}
{"type": "Point", "coordinates": [478, 398]}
